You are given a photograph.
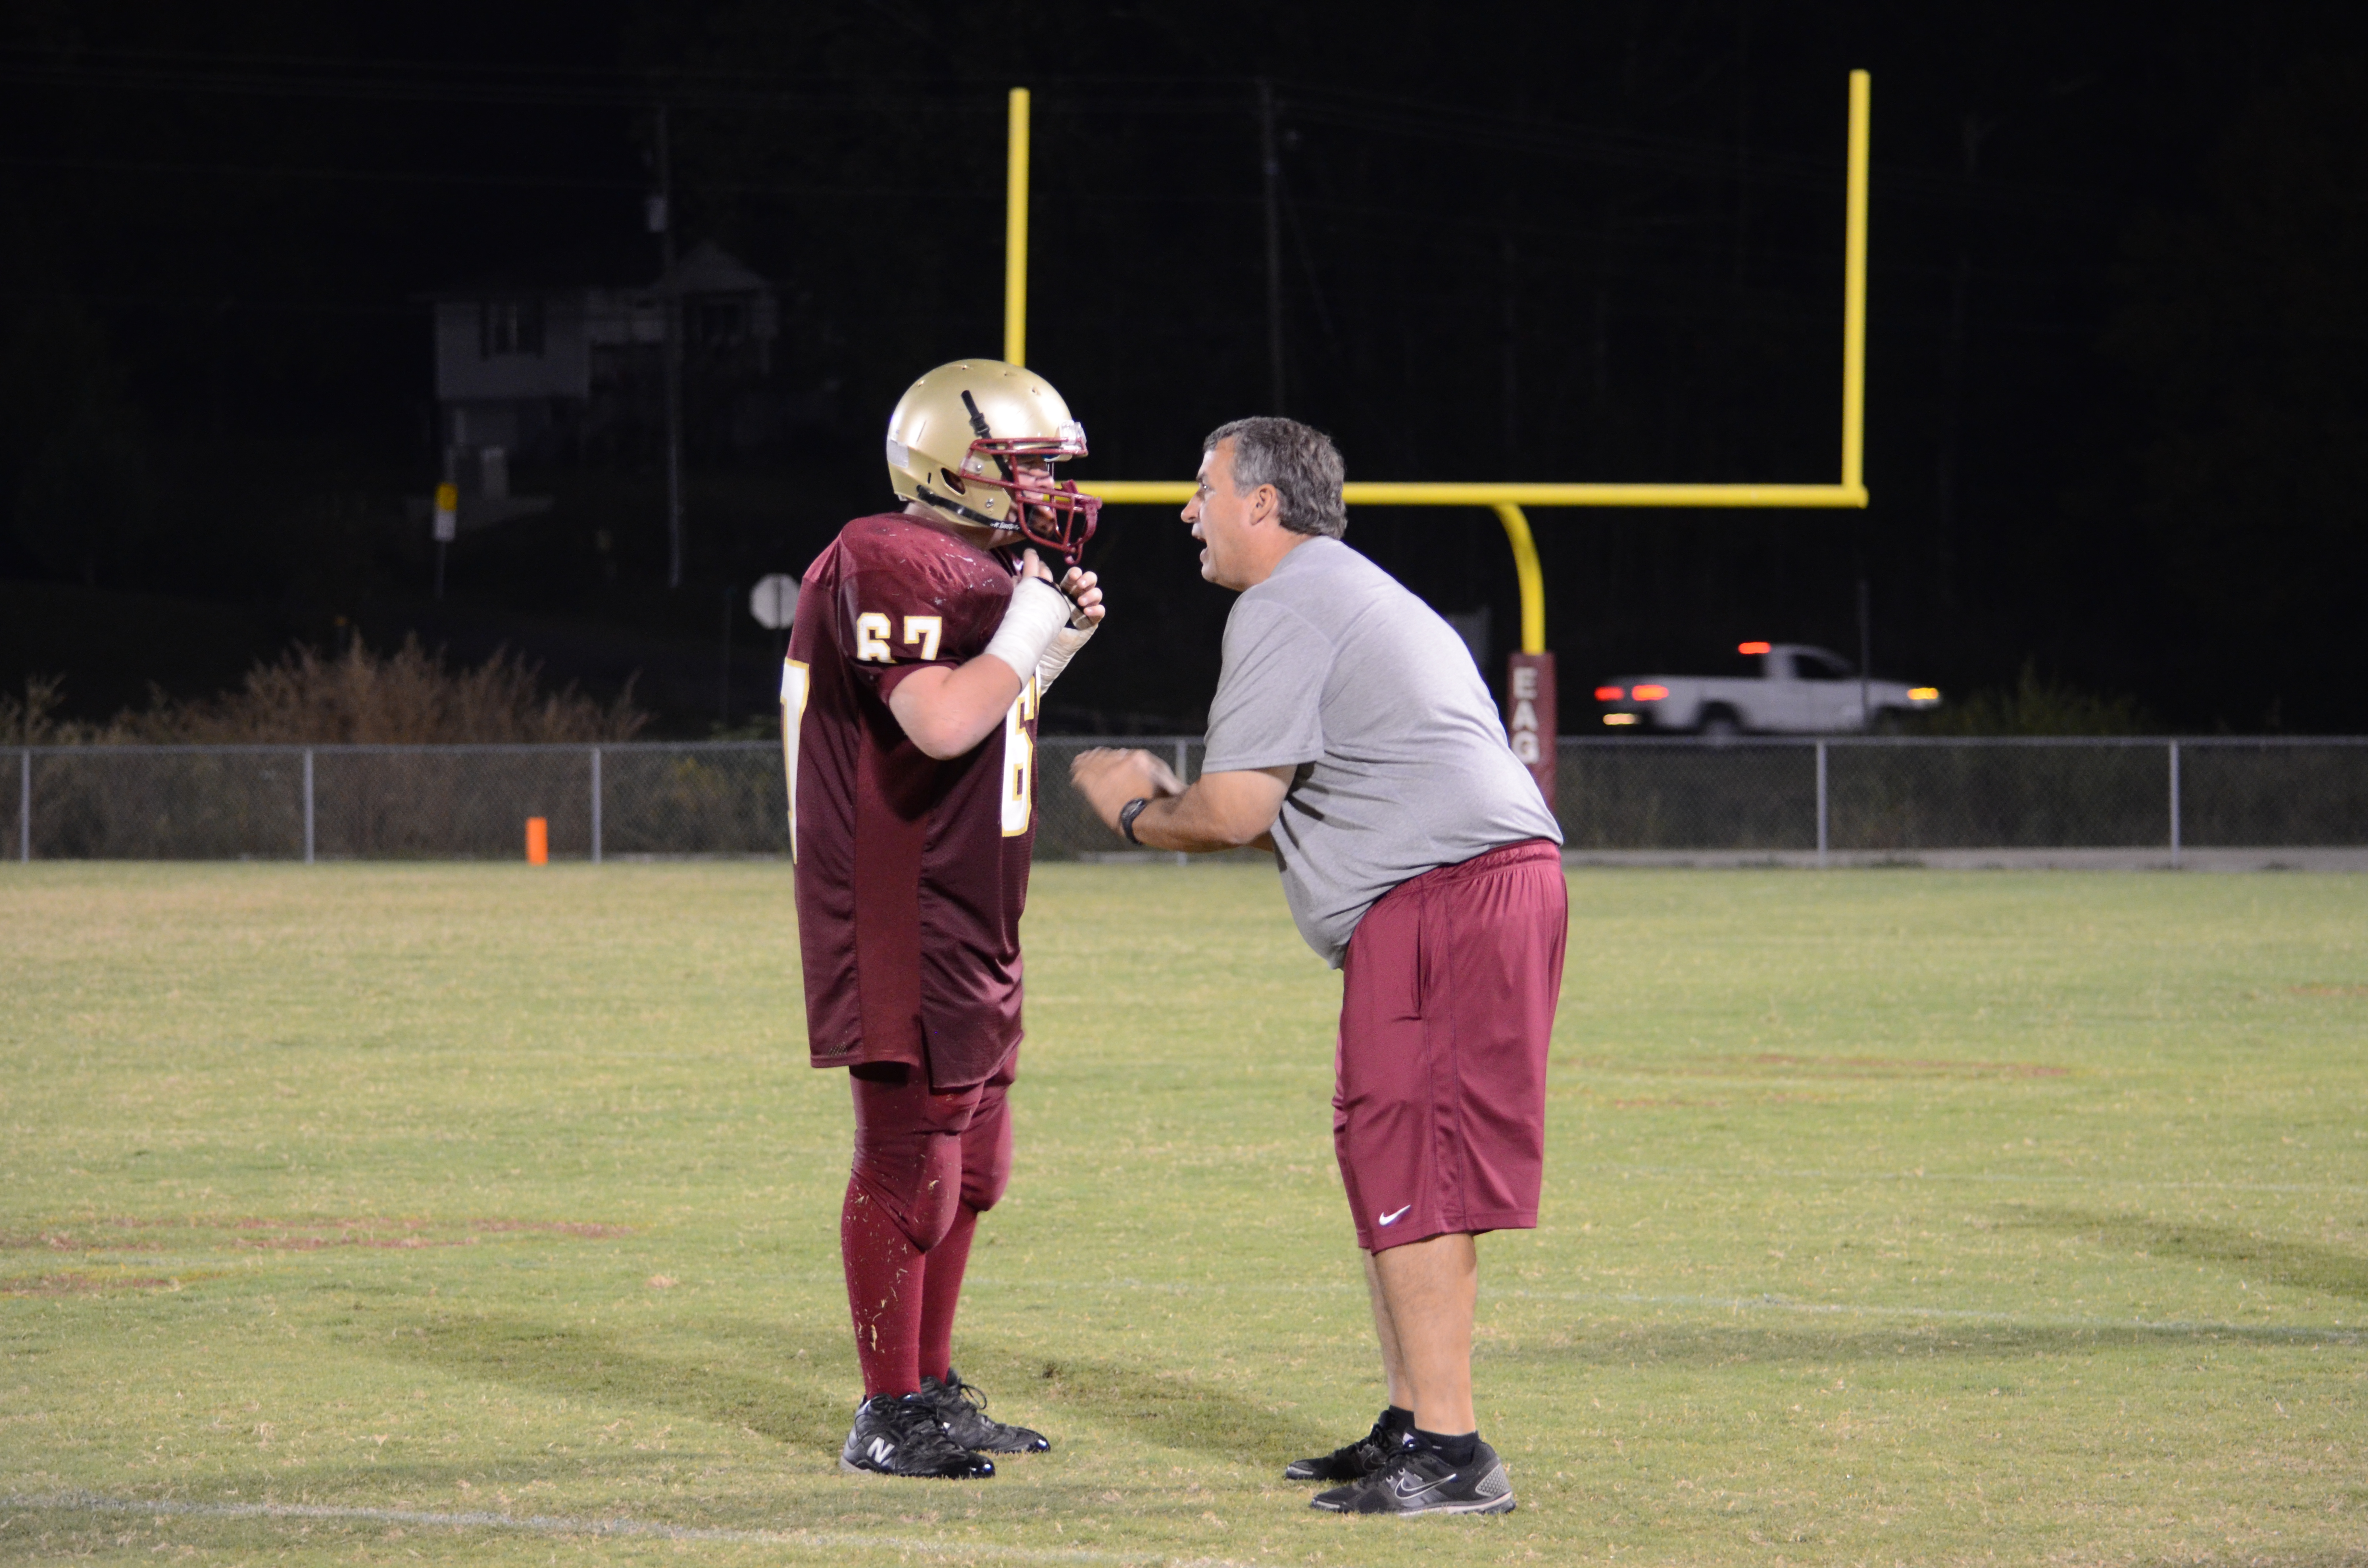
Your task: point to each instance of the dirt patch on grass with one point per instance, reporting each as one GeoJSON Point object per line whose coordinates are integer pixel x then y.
{"type": "Point", "coordinates": [1650, 1103]}
{"type": "Point", "coordinates": [82, 1285]}
{"type": "Point", "coordinates": [297, 1235]}
{"type": "Point", "coordinates": [258, 1233]}
{"type": "Point", "coordinates": [1779, 1062]}
{"type": "Point", "coordinates": [1676, 1102]}
{"type": "Point", "coordinates": [1775, 1064]}
{"type": "Point", "coordinates": [2332, 990]}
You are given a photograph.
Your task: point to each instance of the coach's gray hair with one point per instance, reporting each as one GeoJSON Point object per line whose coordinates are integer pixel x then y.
{"type": "Point", "coordinates": [1302, 464]}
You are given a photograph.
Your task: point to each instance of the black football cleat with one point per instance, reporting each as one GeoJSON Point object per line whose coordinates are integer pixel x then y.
{"type": "Point", "coordinates": [1355, 1463]}
{"type": "Point", "coordinates": [901, 1435]}
{"type": "Point", "coordinates": [1420, 1480]}
{"type": "Point", "coordinates": [961, 1411]}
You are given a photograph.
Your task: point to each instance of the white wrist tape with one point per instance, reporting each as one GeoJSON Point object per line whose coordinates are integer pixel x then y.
{"type": "Point", "coordinates": [1035, 615]}
{"type": "Point", "coordinates": [1065, 643]}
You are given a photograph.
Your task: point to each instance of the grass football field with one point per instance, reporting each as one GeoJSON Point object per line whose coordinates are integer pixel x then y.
{"type": "Point", "coordinates": [479, 1213]}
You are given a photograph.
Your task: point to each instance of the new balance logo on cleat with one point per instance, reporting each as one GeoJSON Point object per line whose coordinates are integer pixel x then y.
{"type": "Point", "coordinates": [901, 1436]}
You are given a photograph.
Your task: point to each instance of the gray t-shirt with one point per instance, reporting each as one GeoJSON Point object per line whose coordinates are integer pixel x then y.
{"type": "Point", "coordinates": [1403, 768]}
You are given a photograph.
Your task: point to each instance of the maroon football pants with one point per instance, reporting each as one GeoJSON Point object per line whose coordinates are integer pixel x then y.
{"type": "Point", "coordinates": [926, 1165]}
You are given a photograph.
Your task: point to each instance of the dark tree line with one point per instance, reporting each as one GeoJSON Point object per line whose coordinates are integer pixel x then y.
{"type": "Point", "coordinates": [2115, 402]}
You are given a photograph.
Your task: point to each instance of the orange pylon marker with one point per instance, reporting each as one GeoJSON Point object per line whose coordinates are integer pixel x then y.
{"type": "Point", "coordinates": [537, 841]}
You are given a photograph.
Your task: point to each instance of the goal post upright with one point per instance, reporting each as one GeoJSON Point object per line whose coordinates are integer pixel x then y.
{"type": "Point", "coordinates": [1854, 291]}
{"type": "Point", "coordinates": [1527, 573]}
{"type": "Point", "coordinates": [1015, 234]}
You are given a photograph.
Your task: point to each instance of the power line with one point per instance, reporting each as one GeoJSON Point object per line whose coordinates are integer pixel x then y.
{"type": "Point", "coordinates": [432, 178]}
{"type": "Point", "coordinates": [1098, 95]}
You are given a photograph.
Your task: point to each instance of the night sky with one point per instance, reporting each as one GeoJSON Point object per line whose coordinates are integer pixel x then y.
{"type": "Point", "coordinates": [2118, 399]}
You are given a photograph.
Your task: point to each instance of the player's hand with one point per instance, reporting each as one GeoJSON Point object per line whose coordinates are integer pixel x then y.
{"type": "Point", "coordinates": [1108, 777]}
{"type": "Point", "coordinates": [1085, 591]}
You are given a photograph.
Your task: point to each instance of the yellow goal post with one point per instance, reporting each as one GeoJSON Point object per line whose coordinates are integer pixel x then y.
{"type": "Point", "coordinates": [1509, 500]}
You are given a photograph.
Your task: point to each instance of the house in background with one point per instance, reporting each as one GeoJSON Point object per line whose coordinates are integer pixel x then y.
{"type": "Point", "coordinates": [576, 373]}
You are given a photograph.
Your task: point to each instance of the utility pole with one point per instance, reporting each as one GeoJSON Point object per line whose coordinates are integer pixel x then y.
{"type": "Point", "coordinates": [661, 216]}
{"type": "Point", "coordinates": [1273, 170]}
{"type": "Point", "coordinates": [723, 662]}
{"type": "Point", "coordinates": [1865, 645]}
{"type": "Point", "coordinates": [1512, 366]}
{"type": "Point", "coordinates": [447, 524]}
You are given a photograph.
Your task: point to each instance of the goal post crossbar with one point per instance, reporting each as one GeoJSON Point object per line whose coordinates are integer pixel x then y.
{"type": "Point", "coordinates": [1508, 500]}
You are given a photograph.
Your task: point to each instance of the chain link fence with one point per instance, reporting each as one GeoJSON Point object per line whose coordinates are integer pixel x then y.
{"type": "Point", "coordinates": [1861, 794]}
{"type": "Point", "coordinates": [1879, 794]}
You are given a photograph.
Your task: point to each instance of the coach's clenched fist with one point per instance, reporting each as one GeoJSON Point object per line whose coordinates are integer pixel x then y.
{"type": "Point", "coordinates": [1139, 798]}
{"type": "Point", "coordinates": [1108, 777]}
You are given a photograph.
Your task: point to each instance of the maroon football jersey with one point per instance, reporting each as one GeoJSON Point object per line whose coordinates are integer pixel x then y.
{"type": "Point", "coordinates": [911, 872]}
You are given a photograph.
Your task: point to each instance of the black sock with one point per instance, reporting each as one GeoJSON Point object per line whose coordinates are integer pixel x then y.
{"type": "Point", "coordinates": [1461, 1450]}
{"type": "Point", "coordinates": [1397, 1422]}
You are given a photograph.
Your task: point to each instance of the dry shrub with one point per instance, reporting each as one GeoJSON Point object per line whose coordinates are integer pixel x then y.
{"type": "Point", "coordinates": [409, 697]}
{"type": "Point", "coordinates": [28, 721]}
{"type": "Point", "coordinates": [2037, 704]}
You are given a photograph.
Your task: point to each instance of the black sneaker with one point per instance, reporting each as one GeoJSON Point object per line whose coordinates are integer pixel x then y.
{"type": "Point", "coordinates": [1420, 1480]}
{"type": "Point", "coordinates": [901, 1435]}
{"type": "Point", "coordinates": [961, 1411]}
{"type": "Point", "coordinates": [1356, 1461]}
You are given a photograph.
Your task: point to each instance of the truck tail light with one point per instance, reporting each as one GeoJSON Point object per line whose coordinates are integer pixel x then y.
{"type": "Point", "coordinates": [1649, 693]}
{"type": "Point", "coordinates": [1608, 694]}
{"type": "Point", "coordinates": [1923, 694]}
{"type": "Point", "coordinates": [1751, 647]}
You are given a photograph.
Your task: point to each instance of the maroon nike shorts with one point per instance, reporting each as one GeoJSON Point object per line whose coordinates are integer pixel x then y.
{"type": "Point", "coordinates": [1446, 1015]}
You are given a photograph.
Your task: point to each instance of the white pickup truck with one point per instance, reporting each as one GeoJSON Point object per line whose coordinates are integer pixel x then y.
{"type": "Point", "coordinates": [1784, 689]}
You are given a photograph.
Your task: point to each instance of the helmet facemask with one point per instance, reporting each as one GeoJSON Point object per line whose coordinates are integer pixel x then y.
{"type": "Point", "coordinates": [1069, 516]}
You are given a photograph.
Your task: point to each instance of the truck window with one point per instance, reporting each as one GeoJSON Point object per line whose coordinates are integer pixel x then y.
{"type": "Point", "coordinates": [1811, 663]}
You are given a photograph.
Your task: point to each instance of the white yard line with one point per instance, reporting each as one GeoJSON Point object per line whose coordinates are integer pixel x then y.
{"type": "Point", "coordinates": [2328, 1334]}
{"type": "Point", "coordinates": [1941, 1178]}
{"type": "Point", "coordinates": [2304, 1332]}
{"type": "Point", "coordinates": [546, 1523]}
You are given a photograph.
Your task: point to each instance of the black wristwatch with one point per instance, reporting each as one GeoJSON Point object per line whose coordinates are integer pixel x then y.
{"type": "Point", "coordinates": [1126, 815]}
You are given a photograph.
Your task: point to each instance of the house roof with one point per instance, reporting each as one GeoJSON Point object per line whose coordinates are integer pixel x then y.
{"type": "Point", "coordinates": [712, 269]}
{"type": "Point", "coordinates": [709, 268]}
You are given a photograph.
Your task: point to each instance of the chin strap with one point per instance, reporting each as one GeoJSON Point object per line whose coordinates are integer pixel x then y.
{"type": "Point", "coordinates": [947, 504]}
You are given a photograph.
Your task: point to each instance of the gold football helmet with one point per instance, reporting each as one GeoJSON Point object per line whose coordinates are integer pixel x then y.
{"type": "Point", "coordinates": [955, 444]}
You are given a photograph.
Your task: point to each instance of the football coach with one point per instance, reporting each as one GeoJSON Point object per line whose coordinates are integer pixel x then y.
{"type": "Point", "coordinates": [1351, 734]}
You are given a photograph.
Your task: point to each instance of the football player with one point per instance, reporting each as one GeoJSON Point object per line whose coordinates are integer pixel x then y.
{"type": "Point", "coordinates": [924, 640]}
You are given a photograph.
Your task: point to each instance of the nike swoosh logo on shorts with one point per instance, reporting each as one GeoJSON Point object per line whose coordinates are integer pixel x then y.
{"type": "Point", "coordinates": [1393, 1218]}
